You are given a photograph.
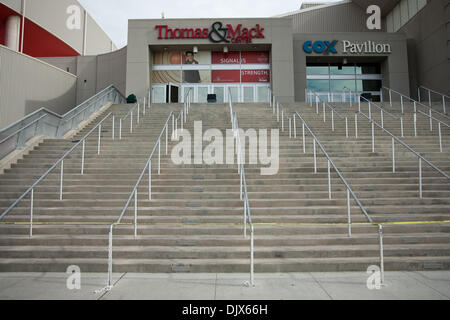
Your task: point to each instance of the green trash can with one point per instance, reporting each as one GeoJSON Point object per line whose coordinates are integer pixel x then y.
{"type": "Point", "coordinates": [131, 98]}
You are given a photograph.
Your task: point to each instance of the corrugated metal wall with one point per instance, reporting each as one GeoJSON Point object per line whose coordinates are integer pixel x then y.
{"type": "Point", "coordinates": [27, 84]}
{"type": "Point", "coordinates": [345, 17]}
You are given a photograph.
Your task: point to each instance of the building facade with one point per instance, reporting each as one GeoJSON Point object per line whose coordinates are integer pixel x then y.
{"type": "Point", "coordinates": [324, 47]}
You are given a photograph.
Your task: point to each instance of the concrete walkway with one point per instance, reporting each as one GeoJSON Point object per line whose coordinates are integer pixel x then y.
{"type": "Point", "coordinates": [433, 285]}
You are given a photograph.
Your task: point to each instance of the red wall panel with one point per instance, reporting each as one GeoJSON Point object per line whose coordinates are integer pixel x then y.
{"type": "Point", "coordinates": [38, 42]}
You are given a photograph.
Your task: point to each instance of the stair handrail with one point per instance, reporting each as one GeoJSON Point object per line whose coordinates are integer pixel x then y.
{"type": "Point", "coordinates": [60, 162]}
{"type": "Point", "coordinates": [147, 169]}
{"type": "Point", "coordinates": [51, 123]}
{"type": "Point", "coordinates": [243, 185]}
{"type": "Point", "coordinates": [333, 111]}
{"type": "Point", "coordinates": [402, 96]}
{"type": "Point", "coordinates": [409, 148]}
{"type": "Point", "coordinates": [341, 177]}
{"type": "Point", "coordinates": [444, 96]}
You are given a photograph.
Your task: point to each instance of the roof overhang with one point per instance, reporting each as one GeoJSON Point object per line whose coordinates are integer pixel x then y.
{"type": "Point", "coordinates": [385, 5]}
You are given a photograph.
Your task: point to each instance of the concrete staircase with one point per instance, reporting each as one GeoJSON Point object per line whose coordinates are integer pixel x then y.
{"type": "Point", "coordinates": [194, 221]}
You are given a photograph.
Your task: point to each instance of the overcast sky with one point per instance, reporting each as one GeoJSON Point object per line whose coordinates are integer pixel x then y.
{"type": "Point", "coordinates": [113, 15]}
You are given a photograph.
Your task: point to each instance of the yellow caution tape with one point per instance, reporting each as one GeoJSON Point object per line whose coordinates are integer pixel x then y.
{"type": "Point", "coordinates": [225, 223]}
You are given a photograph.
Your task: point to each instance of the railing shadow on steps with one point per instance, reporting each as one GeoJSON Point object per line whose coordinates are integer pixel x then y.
{"type": "Point", "coordinates": [182, 118]}
{"type": "Point", "coordinates": [48, 123]}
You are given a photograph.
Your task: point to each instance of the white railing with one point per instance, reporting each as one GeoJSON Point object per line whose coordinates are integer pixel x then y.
{"type": "Point", "coordinates": [48, 123]}
{"type": "Point", "coordinates": [146, 170]}
{"type": "Point", "coordinates": [243, 185]}
{"type": "Point", "coordinates": [60, 163]}
{"type": "Point", "coordinates": [429, 92]}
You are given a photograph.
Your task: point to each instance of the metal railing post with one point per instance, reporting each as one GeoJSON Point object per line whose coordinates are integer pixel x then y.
{"type": "Point", "coordinates": [110, 249]}
{"type": "Point", "coordinates": [356, 125]}
{"type": "Point", "coordinates": [120, 129]}
{"type": "Point", "coordinates": [346, 127]}
{"type": "Point", "coordinates": [324, 113]}
{"type": "Point", "coordinates": [252, 259]}
{"type": "Point", "coordinates": [373, 138]}
{"type": "Point", "coordinates": [370, 110]}
{"type": "Point", "coordinates": [150, 180]}
{"type": "Point", "coordinates": [82, 156]}
{"type": "Point", "coordinates": [393, 155]}
{"type": "Point", "coordinates": [401, 127]}
{"type": "Point", "coordinates": [61, 180]}
{"type": "Point", "coordinates": [113, 125]}
{"type": "Point", "coordinates": [245, 218]}
{"type": "Point", "coordinates": [135, 212]}
{"type": "Point", "coordinates": [278, 111]}
{"type": "Point", "coordinates": [317, 105]}
{"type": "Point", "coordinates": [332, 120]}
{"type": "Point", "coordinates": [315, 156]}
{"type": "Point", "coordinates": [418, 94]}
{"type": "Point", "coordinates": [295, 127]}
{"type": "Point", "coordinates": [99, 139]}
{"type": "Point", "coordinates": [415, 124]}
{"type": "Point", "coordinates": [380, 233]}
{"type": "Point", "coordinates": [443, 104]}
{"type": "Point", "coordinates": [167, 139]}
{"type": "Point", "coordinates": [401, 103]}
{"type": "Point", "coordinates": [240, 185]}
{"type": "Point", "coordinates": [138, 112]}
{"type": "Point", "coordinates": [131, 122]}
{"type": "Point", "coordinates": [382, 119]}
{"type": "Point", "coordinates": [304, 138]}
{"type": "Point", "coordinates": [290, 128]}
{"type": "Point", "coordinates": [390, 97]}
{"type": "Point", "coordinates": [440, 136]}
{"type": "Point", "coordinates": [159, 156]}
{"type": "Point", "coordinates": [282, 121]}
{"type": "Point", "coordinates": [329, 180]}
{"type": "Point", "coordinates": [349, 217]}
{"type": "Point", "coordinates": [420, 178]}
{"type": "Point", "coordinates": [31, 212]}
{"type": "Point", "coordinates": [143, 109]}
{"type": "Point", "coordinates": [429, 97]}
{"type": "Point", "coordinates": [431, 121]}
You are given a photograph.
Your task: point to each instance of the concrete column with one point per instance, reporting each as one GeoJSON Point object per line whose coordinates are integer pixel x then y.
{"type": "Point", "coordinates": [13, 32]}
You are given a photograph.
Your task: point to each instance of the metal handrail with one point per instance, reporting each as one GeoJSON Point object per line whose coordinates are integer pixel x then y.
{"type": "Point", "coordinates": [374, 104]}
{"type": "Point", "coordinates": [429, 96]}
{"type": "Point", "coordinates": [243, 186]}
{"type": "Point", "coordinates": [99, 95]}
{"type": "Point", "coordinates": [418, 155]}
{"type": "Point", "coordinates": [412, 100]}
{"type": "Point", "coordinates": [55, 123]}
{"type": "Point", "coordinates": [326, 104]}
{"type": "Point", "coordinates": [21, 129]}
{"type": "Point", "coordinates": [147, 167]}
{"type": "Point", "coordinates": [333, 111]}
{"type": "Point", "coordinates": [434, 91]}
{"type": "Point", "coordinates": [59, 161]}
{"type": "Point", "coordinates": [330, 161]}
{"type": "Point", "coordinates": [433, 118]}
{"type": "Point", "coordinates": [147, 164]}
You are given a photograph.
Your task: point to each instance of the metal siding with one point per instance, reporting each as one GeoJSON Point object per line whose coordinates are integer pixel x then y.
{"type": "Point", "coordinates": [345, 17]}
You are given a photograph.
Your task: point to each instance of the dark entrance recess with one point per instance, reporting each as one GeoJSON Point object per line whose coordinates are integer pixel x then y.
{"type": "Point", "coordinates": [174, 94]}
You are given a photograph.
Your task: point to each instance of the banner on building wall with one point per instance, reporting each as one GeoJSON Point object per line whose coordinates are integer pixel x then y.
{"type": "Point", "coordinates": [208, 58]}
